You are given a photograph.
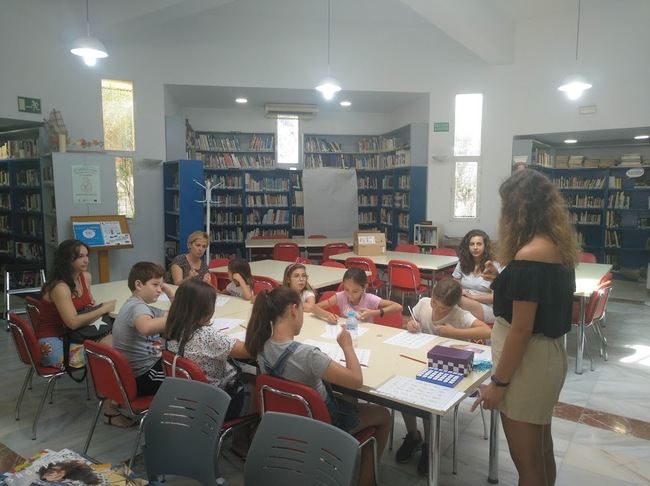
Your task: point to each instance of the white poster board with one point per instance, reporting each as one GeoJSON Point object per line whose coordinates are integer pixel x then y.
{"type": "Point", "coordinates": [331, 204]}
{"type": "Point", "coordinates": [86, 184]}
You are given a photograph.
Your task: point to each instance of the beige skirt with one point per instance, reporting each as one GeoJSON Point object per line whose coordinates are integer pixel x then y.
{"type": "Point", "coordinates": [535, 387]}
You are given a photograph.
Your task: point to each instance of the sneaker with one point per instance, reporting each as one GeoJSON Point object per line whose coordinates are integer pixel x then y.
{"type": "Point", "coordinates": [408, 448]}
{"type": "Point", "coordinates": [423, 464]}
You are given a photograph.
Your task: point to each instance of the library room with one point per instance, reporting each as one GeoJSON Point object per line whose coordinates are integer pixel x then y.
{"type": "Point", "coordinates": [301, 242]}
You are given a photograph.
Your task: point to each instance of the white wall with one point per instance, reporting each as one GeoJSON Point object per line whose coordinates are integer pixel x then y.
{"type": "Point", "coordinates": [236, 46]}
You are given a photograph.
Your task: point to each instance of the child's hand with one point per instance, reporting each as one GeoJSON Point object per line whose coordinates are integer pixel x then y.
{"type": "Point", "coordinates": [109, 306]}
{"type": "Point", "coordinates": [331, 318]}
{"type": "Point", "coordinates": [207, 278]}
{"type": "Point", "coordinates": [442, 330]}
{"type": "Point", "coordinates": [490, 272]}
{"type": "Point", "coordinates": [413, 326]}
{"type": "Point", "coordinates": [344, 339]}
{"type": "Point", "coordinates": [364, 314]}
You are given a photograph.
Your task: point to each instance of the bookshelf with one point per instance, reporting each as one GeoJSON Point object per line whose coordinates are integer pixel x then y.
{"type": "Point", "coordinates": [427, 236]}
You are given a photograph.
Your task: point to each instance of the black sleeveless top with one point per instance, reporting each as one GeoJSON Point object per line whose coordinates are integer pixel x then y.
{"type": "Point", "coordinates": [551, 285]}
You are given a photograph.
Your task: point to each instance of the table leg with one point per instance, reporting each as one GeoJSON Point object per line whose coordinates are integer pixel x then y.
{"type": "Point", "coordinates": [581, 337]}
{"type": "Point", "coordinates": [493, 470]}
{"type": "Point", "coordinates": [434, 451]}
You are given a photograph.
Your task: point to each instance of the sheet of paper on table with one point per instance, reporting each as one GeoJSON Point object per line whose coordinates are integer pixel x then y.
{"type": "Point", "coordinates": [334, 351]}
{"type": "Point", "coordinates": [480, 353]}
{"type": "Point", "coordinates": [332, 331]}
{"type": "Point", "coordinates": [163, 298]}
{"type": "Point", "coordinates": [226, 323]}
{"type": "Point", "coordinates": [221, 300]}
{"type": "Point", "coordinates": [241, 335]}
{"type": "Point", "coordinates": [410, 340]}
{"type": "Point", "coordinates": [428, 395]}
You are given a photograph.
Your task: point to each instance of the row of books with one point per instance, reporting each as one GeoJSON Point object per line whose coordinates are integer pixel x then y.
{"type": "Point", "coordinates": [367, 217]}
{"type": "Point", "coordinates": [210, 141]}
{"type": "Point", "coordinates": [619, 200]}
{"type": "Point", "coordinates": [30, 202]}
{"type": "Point", "coordinates": [426, 236]}
{"type": "Point", "coordinates": [314, 144]}
{"type": "Point", "coordinates": [297, 221]}
{"type": "Point", "coordinates": [262, 143]}
{"type": "Point", "coordinates": [227, 217]}
{"type": "Point", "coordinates": [226, 182]}
{"type": "Point", "coordinates": [235, 235]}
{"type": "Point", "coordinates": [262, 200]}
{"type": "Point", "coordinates": [266, 183]}
{"type": "Point", "coordinates": [5, 223]}
{"type": "Point", "coordinates": [404, 182]}
{"type": "Point", "coordinates": [237, 161]}
{"type": "Point", "coordinates": [401, 200]}
{"type": "Point", "coordinates": [585, 217]}
{"type": "Point", "coordinates": [317, 161]}
{"type": "Point", "coordinates": [631, 160]}
{"type": "Point", "coordinates": [387, 200]}
{"type": "Point", "coordinates": [366, 182]}
{"type": "Point", "coordinates": [575, 182]}
{"type": "Point", "coordinates": [5, 201]}
{"type": "Point", "coordinates": [387, 182]}
{"type": "Point", "coordinates": [613, 238]}
{"type": "Point", "coordinates": [271, 216]}
{"type": "Point", "coordinates": [19, 149]}
{"type": "Point", "coordinates": [29, 250]}
{"type": "Point", "coordinates": [297, 199]}
{"type": "Point", "coordinates": [615, 182]}
{"type": "Point", "coordinates": [226, 200]}
{"type": "Point", "coordinates": [612, 218]}
{"type": "Point", "coordinates": [583, 201]}
{"type": "Point", "coordinates": [403, 220]}
{"type": "Point", "coordinates": [368, 200]}
{"type": "Point", "coordinates": [28, 177]}
{"type": "Point", "coordinates": [272, 233]}
{"type": "Point", "coordinates": [30, 226]}
{"type": "Point", "coordinates": [386, 216]}
{"type": "Point", "coordinates": [4, 178]}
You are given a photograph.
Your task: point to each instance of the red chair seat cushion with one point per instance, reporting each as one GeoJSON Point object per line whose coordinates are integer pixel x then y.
{"type": "Point", "coordinates": [139, 404]}
{"type": "Point", "coordinates": [364, 434]}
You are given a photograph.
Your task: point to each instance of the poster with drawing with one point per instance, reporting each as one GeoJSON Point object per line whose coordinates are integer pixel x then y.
{"type": "Point", "coordinates": [85, 184]}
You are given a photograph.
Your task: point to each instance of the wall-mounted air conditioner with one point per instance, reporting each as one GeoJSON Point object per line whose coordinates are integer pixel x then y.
{"type": "Point", "coordinates": [275, 110]}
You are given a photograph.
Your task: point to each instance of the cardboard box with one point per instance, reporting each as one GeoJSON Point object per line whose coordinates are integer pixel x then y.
{"type": "Point", "coordinates": [451, 359]}
{"type": "Point", "coordinates": [369, 243]}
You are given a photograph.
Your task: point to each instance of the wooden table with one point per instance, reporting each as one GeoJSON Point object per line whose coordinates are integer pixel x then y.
{"type": "Point", "coordinates": [588, 276]}
{"type": "Point", "coordinates": [301, 242]}
{"type": "Point", "coordinates": [319, 277]}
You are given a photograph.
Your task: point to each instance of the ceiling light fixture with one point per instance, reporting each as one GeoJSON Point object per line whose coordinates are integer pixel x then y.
{"type": "Point", "coordinates": [329, 86]}
{"type": "Point", "coordinates": [642, 137]}
{"type": "Point", "coordinates": [576, 84]}
{"type": "Point", "coordinates": [88, 47]}
{"type": "Point", "coordinates": [345, 103]}
{"type": "Point", "coordinates": [241, 101]}
{"type": "Point", "coordinates": [570, 140]}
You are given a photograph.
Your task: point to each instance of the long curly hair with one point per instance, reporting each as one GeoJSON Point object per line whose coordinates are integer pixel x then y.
{"type": "Point", "coordinates": [467, 262]}
{"type": "Point", "coordinates": [531, 205]}
{"type": "Point", "coordinates": [66, 253]}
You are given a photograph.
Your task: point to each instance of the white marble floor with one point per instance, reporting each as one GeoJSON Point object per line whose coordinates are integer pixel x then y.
{"type": "Point", "coordinates": [608, 449]}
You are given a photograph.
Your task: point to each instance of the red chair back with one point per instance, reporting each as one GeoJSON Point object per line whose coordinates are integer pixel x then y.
{"type": "Point", "coordinates": [29, 351]}
{"type": "Point", "coordinates": [408, 248]}
{"type": "Point", "coordinates": [185, 368]}
{"type": "Point", "coordinates": [280, 395]}
{"type": "Point", "coordinates": [334, 249]}
{"type": "Point", "coordinates": [316, 237]}
{"type": "Point", "coordinates": [586, 257]}
{"type": "Point", "coordinates": [263, 283]}
{"type": "Point", "coordinates": [334, 309]}
{"type": "Point", "coordinates": [403, 275]}
{"type": "Point", "coordinates": [219, 280]}
{"type": "Point", "coordinates": [304, 261]}
{"type": "Point", "coordinates": [286, 252]}
{"type": "Point", "coordinates": [33, 307]}
{"type": "Point", "coordinates": [394, 319]}
{"type": "Point", "coordinates": [365, 264]}
{"type": "Point", "coordinates": [111, 373]}
{"type": "Point", "coordinates": [444, 251]}
{"type": "Point", "coordinates": [603, 291]}
{"type": "Point", "coordinates": [332, 263]}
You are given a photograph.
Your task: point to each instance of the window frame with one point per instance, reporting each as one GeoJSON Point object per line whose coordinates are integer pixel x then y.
{"type": "Point", "coordinates": [288, 165]}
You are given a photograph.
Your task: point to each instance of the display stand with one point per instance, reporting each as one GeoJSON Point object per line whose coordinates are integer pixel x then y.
{"type": "Point", "coordinates": [102, 233]}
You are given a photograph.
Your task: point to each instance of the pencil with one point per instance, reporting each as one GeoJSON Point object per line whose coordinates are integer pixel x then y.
{"type": "Point", "coordinates": [413, 359]}
{"type": "Point", "coordinates": [241, 325]}
{"type": "Point", "coordinates": [223, 328]}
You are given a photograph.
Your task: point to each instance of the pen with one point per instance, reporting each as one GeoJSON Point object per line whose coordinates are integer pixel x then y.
{"type": "Point", "coordinates": [411, 311]}
{"type": "Point", "coordinates": [413, 359]}
{"type": "Point", "coordinates": [224, 328]}
{"type": "Point", "coordinates": [241, 325]}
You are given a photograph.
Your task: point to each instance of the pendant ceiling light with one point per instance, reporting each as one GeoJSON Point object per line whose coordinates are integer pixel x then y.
{"type": "Point", "coordinates": [576, 84]}
{"type": "Point", "coordinates": [329, 86]}
{"type": "Point", "coordinates": [88, 47]}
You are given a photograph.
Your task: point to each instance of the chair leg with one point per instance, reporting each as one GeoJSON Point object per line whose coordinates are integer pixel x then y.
{"type": "Point", "coordinates": [87, 387]}
{"type": "Point", "coordinates": [588, 349]}
{"type": "Point", "coordinates": [52, 392]}
{"type": "Point", "coordinates": [485, 429]}
{"type": "Point", "coordinates": [603, 340]}
{"type": "Point", "coordinates": [392, 429]}
{"type": "Point", "coordinates": [454, 456]}
{"type": "Point", "coordinates": [94, 424]}
{"type": "Point", "coordinates": [137, 439]}
{"type": "Point", "coordinates": [28, 379]}
{"type": "Point", "coordinates": [50, 385]}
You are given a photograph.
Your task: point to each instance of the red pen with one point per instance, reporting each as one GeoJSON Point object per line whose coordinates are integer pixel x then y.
{"type": "Point", "coordinates": [413, 359]}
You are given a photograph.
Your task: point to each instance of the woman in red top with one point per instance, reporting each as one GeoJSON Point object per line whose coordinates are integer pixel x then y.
{"type": "Point", "coordinates": [65, 293]}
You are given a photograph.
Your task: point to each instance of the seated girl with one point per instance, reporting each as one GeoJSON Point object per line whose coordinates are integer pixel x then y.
{"type": "Point", "coordinates": [295, 277]}
{"type": "Point", "coordinates": [241, 279]}
{"type": "Point", "coordinates": [191, 334]}
{"type": "Point", "coordinates": [276, 319]}
{"type": "Point", "coordinates": [354, 297]}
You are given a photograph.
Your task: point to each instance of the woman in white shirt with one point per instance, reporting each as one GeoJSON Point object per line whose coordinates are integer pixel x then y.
{"type": "Point", "coordinates": [474, 252]}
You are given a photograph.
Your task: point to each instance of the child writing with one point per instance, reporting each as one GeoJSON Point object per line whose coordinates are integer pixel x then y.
{"type": "Point", "coordinates": [191, 334]}
{"type": "Point", "coordinates": [440, 315]}
{"type": "Point", "coordinates": [136, 332]}
{"type": "Point", "coordinates": [354, 297]}
{"type": "Point", "coordinates": [241, 279]}
{"type": "Point", "coordinates": [276, 319]}
{"type": "Point", "coordinates": [295, 277]}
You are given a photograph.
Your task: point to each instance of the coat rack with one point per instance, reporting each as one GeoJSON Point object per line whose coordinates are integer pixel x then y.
{"type": "Point", "coordinates": [207, 187]}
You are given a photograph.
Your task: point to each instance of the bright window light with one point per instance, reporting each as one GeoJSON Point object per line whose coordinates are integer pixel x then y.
{"type": "Point", "coordinates": [124, 181]}
{"type": "Point", "coordinates": [466, 189]}
{"type": "Point", "coordinates": [641, 355]}
{"type": "Point", "coordinates": [288, 147]}
{"type": "Point", "coordinates": [467, 125]}
{"type": "Point", "coordinates": [117, 115]}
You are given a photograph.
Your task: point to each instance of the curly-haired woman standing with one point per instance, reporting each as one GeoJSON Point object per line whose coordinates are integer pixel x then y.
{"type": "Point", "coordinates": [533, 298]}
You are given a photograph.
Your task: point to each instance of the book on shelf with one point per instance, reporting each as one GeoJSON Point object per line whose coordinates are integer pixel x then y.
{"type": "Point", "coordinates": [19, 149]}
{"type": "Point", "coordinates": [562, 161]}
{"type": "Point", "coordinates": [576, 160]}
{"type": "Point", "coordinates": [591, 163]}
{"type": "Point", "coordinates": [631, 160]}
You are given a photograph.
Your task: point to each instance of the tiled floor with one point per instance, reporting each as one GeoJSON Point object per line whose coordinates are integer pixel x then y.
{"type": "Point", "coordinates": [601, 431]}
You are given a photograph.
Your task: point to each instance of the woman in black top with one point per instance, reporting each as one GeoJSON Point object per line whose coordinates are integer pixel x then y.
{"type": "Point", "coordinates": [533, 298]}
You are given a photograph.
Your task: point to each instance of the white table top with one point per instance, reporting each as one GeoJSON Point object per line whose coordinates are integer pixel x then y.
{"type": "Point", "coordinates": [421, 260]}
{"type": "Point", "coordinates": [319, 277]}
{"type": "Point", "coordinates": [301, 242]}
{"type": "Point", "coordinates": [588, 276]}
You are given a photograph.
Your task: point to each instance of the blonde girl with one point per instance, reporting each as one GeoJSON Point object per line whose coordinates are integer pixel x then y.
{"type": "Point", "coordinates": [296, 278]}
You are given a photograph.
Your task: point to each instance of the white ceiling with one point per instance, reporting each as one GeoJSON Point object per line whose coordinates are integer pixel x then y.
{"type": "Point", "coordinates": [224, 97]}
{"type": "Point", "coordinates": [614, 136]}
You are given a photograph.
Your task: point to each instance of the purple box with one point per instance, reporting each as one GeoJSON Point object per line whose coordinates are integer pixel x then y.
{"type": "Point", "coordinates": [451, 359]}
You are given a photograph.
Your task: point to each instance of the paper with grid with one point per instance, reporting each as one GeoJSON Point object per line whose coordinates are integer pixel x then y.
{"type": "Point", "coordinates": [420, 393]}
{"type": "Point", "coordinates": [334, 351]}
{"type": "Point", "coordinates": [410, 340]}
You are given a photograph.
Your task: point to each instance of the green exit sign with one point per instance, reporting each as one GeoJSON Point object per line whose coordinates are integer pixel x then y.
{"type": "Point", "coordinates": [29, 105]}
{"type": "Point", "coordinates": [441, 127]}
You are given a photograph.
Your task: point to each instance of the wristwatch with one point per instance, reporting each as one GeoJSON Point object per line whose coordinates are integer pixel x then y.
{"type": "Point", "coordinates": [381, 312]}
{"type": "Point", "coordinates": [498, 382]}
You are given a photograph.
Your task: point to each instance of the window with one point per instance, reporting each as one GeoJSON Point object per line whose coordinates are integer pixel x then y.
{"type": "Point", "coordinates": [288, 149]}
{"type": "Point", "coordinates": [119, 136]}
{"type": "Point", "coordinates": [467, 154]}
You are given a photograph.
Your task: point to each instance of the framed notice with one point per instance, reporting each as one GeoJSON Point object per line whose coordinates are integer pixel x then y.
{"type": "Point", "coordinates": [102, 232]}
{"type": "Point", "coordinates": [86, 184]}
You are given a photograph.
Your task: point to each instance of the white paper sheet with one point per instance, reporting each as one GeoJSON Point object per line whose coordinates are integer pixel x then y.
{"type": "Point", "coordinates": [410, 340]}
{"type": "Point", "coordinates": [420, 393]}
{"type": "Point", "coordinates": [480, 353]}
{"type": "Point", "coordinates": [332, 331]}
{"type": "Point", "coordinates": [221, 300]}
{"type": "Point", "coordinates": [163, 298]}
{"type": "Point", "coordinates": [241, 335]}
{"type": "Point", "coordinates": [334, 351]}
{"type": "Point", "coordinates": [226, 323]}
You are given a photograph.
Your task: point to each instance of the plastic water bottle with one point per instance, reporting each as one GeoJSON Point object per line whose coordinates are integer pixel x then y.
{"type": "Point", "coordinates": [352, 325]}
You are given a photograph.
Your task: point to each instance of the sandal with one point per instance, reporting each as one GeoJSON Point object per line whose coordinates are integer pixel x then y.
{"type": "Point", "coordinates": [119, 420]}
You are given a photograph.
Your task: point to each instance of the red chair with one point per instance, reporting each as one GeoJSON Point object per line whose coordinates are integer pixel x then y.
{"type": "Point", "coordinates": [286, 252]}
{"type": "Point", "coordinates": [368, 266]}
{"type": "Point", "coordinates": [270, 237]}
{"type": "Point", "coordinates": [220, 279]}
{"type": "Point", "coordinates": [332, 249]}
{"type": "Point", "coordinates": [316, 237]}
{"type": "Point", "coordinates": [594, 314]}
{"type": "Point", "coordinates": [29, 352]}
{"type": "Point", "coordinates": [394, 319]}
{"type": "Point", "coordinates": [304, 261]}
{"type": "Point", "coordinates": [586, 257]}
{"type": "Point", "coordinates": [286, 396]}
{"type": "Point", "coordinates": [113, 378]}
{"type": "Point", "coordinates": [444, 251]}
{"type": "Point", "coordinates": [332, 263]}
{"type": "Point", "coordinates": [263, 283]}
{"type": "Point", "coordinates": [405, 277]}
{"type": "Point", "coordinates": [408, 248]}
{"type": "Point", "coordinates": [334, 309]}
{"type": "Point", "coordinates": [187, 369]}
{"type": "Point", "coordinates": [447, 272]}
